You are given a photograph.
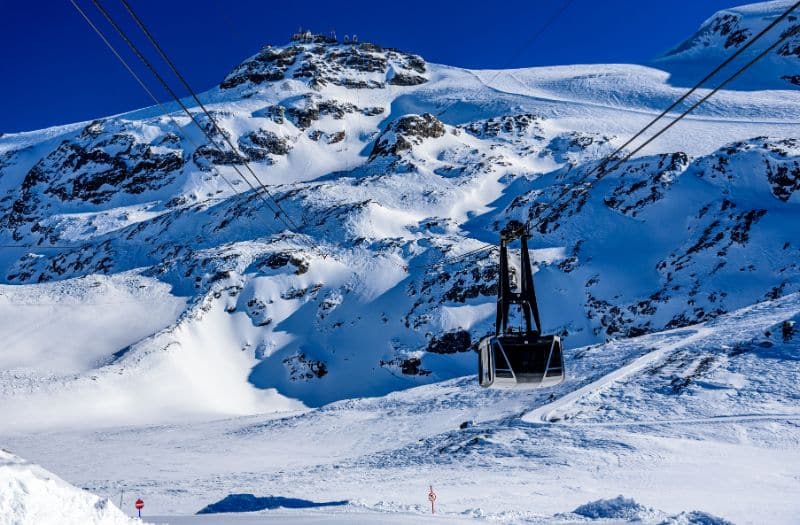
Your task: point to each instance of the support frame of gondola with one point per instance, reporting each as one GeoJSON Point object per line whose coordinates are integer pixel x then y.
{"type": "Point", "coordinates": [524, 358]}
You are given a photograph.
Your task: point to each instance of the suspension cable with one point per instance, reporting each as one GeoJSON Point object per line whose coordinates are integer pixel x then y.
{"type": "Point", "coordinates": [174, 95]}
{"type": "Point", "coordinates": [580, 191]}
{"type": "Point", "coordinates": [790, 33]}
{"type": "Point", "coordinates": [203, 108]}
{"type": "Point", "coordinates": [697, 86]}
{"type": "Point", "coordinates": [147, 90]}
{"type": "Point", "coordinates": [588, 186]}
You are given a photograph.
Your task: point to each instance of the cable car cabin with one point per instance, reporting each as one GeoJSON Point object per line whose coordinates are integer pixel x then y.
{"type": "Point", "coordinates": [521, 358]}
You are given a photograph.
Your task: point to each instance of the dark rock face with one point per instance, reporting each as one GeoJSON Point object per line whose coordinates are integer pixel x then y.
{"type": "Point", "coordinates": [94, 172]}
{"type": "Point", "coordinates": [425, 126]}
{"type": "Point", "coordinates": [276, 113]}
{"type": "Point", "coordinates": [267, 66]}
{"type": "Point", "coordinates": [336, 137]}
{"type": "Point", "coordinates": [405, 132]}
{"type": "Point", "coordinates": [411, 366]}
{"type": "Point", "coordinates": [102, 162]}
{"type": "Point", "coordinates": [516, 125]}
{"type": "Point", "coordinates": [737, 37]}
{"type": "Point", "coordinates": [301, 368]}
{"type": "Point", "coordinates": [456, 284]}
{"type": "Point", "coordinates": [646, 183]}
{"type": "Point", "coordinates": [312, 109]}
{"type": "Point", "coordinates": [257, 312]}
{"type": "Point", "coordinates": [321, 60]}
{"type": "Point", "coordinates": [726, 24]}
{"type": "Point", "coordinates": [303, 117]}
{"type": "Point", "coordinates": [214, 128]}
{"type": "Point", "coordinates": [450, 343]}
{"type": "Point", "coordinates": [791, 48]}
{"type": "Point", "coordinates": [792, 79]}
{"type": "Point", "coordinates": [401, 79]}
{"type": "Point", "coordinates": [281, 259]}
{"type": "Point", "coordinates": [779, 157]}
{"type": "Point", "coordinates": [472, 283]}
{"type": "Point", "coordinates": [299, 293]}
{"type": "Point", "coordinates": [259, 144]}
{"type": "Point", "coordinates": [358, 59]}
{"type": "Point", "coordinates": [206, 155]}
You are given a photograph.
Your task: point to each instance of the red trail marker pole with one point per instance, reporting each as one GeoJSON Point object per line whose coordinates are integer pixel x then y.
{"type": "Point", "coordinates": [432, 499]}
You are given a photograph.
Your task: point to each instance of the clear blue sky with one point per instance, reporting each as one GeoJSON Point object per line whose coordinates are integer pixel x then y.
{"type": "Point", "coordinates": [54, 70]}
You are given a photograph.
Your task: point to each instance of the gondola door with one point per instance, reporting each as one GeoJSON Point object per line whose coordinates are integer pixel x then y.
{"type": "Point", "coordinates": [486, 362]}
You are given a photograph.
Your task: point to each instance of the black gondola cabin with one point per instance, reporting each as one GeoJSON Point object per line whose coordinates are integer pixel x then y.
{"type": "Point", "coordinates": [519, 358]}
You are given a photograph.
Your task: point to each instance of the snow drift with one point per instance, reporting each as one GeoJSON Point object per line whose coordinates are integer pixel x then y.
{"type": "Point", "coordinates": [30, 495]}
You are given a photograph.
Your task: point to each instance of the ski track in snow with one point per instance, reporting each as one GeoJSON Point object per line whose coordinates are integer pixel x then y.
{"type": "Point", "coordinates": [545, 96]}
{"type": "Point", "coordinates": [545, 413]}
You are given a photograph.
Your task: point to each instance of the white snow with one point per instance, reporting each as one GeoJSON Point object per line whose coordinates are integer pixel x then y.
{"type": "Point", "coordinates": [31, 495]}
{"type": "Point", "coordinates": [735, 458]}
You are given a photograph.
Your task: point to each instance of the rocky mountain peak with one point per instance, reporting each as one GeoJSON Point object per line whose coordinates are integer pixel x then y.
{"type": "Point", "coordinates": [321, 60]}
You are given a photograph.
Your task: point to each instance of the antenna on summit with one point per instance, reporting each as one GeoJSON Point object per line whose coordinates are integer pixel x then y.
{"type": "Point", "coordinates": [303, 35]}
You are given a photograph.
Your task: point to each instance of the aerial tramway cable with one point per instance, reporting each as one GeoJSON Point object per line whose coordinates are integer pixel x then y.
{"type": "Point", "coordinates": [154, 42]}
{"type": "Point", "coordinates": [697, 86]}
{"type": "Point", "coordinates": [164, 110]}
{"type": "Point", "coordinates": [147, 90]}
{"type": "Point", "coordinates": [790, 33]}
{"type": "Point", "coordinates": [174, 95]}
{"type": "Point", "coordinates": [573, 191]}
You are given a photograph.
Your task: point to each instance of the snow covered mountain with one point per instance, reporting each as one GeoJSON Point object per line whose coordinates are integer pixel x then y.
{"type": "Point", "coordinates": [729, 30]}
{"type": "Point", "coordinates": [383, 166]}
{"type": "Point", "coordinates": [170, 331]}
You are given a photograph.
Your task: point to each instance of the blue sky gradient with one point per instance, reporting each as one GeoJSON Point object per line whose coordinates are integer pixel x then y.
{"type": "Point", "coordinates": [55, 70]}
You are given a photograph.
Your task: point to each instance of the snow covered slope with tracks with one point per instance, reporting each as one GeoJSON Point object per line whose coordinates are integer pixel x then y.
{"type": "Point", "coordinates": [702, 418]}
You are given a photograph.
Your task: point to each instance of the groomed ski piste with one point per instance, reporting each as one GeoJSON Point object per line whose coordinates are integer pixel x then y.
{"type": "Point", "coordinates": [184, 346]}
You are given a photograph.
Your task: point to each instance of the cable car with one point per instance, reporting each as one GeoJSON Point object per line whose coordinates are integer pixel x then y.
{"type": "Point", "coordinates": [515, 357]}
